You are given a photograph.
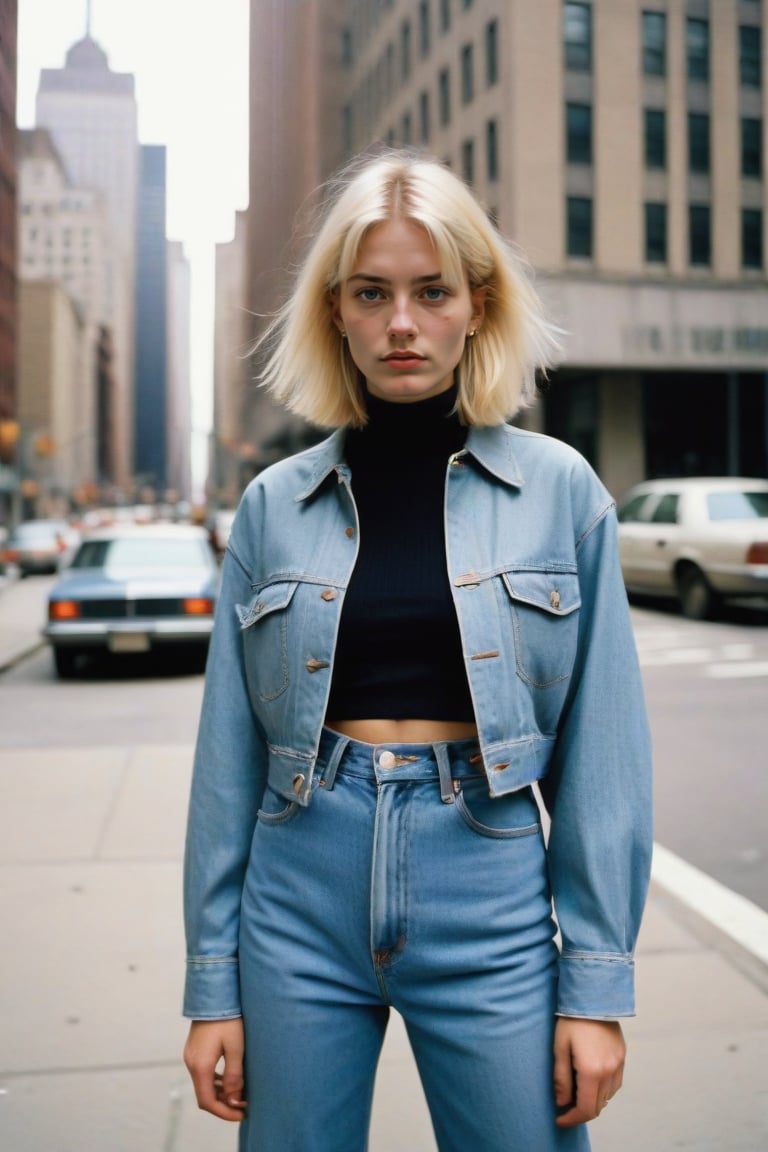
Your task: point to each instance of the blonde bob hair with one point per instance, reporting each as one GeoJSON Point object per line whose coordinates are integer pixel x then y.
{"type": "Point", "coordinates": [308, 366]}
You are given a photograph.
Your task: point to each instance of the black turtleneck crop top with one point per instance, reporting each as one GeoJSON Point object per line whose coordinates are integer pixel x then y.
{"type": "Point", "coordinates": [398, 653]}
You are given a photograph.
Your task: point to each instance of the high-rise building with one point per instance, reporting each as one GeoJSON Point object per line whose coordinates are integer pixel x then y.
{"type": "Point", "coordinates": [9, 430]}
{"type": "Point", "coordinates": [295, 96]}
{"type": "Point", "coordinates": [622, 144]}
{"type": "Point", "coordinates": [151, 362]}
{"type": "Point", "coordinates": [63, 237]}
{"type": "Point", "coordinates": [91, 114]}
{"type": "Point", "coordinates": [230, 450]}
{"type": "Point", "coordinates": [179, 409]}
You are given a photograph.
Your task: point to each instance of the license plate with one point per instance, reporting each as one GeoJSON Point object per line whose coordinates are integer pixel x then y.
{"type": "Point", "coordinates": [129, 642]}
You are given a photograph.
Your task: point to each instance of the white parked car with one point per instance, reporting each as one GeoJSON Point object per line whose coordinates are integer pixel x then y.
{"type": "Point", "coordinates": [701, 540]}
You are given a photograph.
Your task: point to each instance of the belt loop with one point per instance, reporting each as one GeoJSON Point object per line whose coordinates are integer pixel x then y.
{"type": "Point", "coordinates": [444, 771]}
{"type": "Point", "coordinates": [329, 772]}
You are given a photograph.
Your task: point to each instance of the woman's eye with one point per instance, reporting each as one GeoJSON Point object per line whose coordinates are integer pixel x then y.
{"type": "Point", "coordinates": [435, 294]}
{"type": "Point", "coordinates": [370, 295]}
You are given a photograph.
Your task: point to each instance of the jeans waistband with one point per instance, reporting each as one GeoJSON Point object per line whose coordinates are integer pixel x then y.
{"type": "Point", "coordinates": [444, 761]}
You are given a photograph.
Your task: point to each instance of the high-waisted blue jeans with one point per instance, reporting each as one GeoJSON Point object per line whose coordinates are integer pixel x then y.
{"type": "Point", "coordinates": [401, 884]}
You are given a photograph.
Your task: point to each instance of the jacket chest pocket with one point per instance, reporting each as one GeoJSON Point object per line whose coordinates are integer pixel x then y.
{"type": "Point", "coordinates": [545, 620]}
{"type": "Point", "coordinates": [264, 624]}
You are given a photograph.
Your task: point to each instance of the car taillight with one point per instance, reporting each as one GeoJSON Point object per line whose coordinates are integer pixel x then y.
{"type": "Point", "coordinates": [11, 555]}
{"type": "Point", "coordinates": [758, 553]}
{"type": "Point", "coordinates": [63, 610]}
{"type": "Point", "coordinates": [198, 606]}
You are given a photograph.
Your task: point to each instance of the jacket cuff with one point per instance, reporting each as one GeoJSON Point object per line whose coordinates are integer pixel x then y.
{"type": "Point", "coordinates": [596, 987]}
{"type": "Point", "coordinates": [212, 989]}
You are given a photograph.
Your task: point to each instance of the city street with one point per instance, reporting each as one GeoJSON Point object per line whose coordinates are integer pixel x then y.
{"type": "Point", "coordinates": [93, 781]}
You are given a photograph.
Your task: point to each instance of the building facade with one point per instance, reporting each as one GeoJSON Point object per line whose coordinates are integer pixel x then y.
{"type": "Point", "coordinates": [151, 356]}
{"type": "Point", "coordinates": [8, 291]}
{"type": "Point", "coordinates": [621, 144]}
{"type": "Point", "coordinates": [63, 237]}
{"type": "Point", "coordinates": [91, 114]}
{"type": "Point", "coordinates": [178, 374]}
{"type": "Point", "coordinates": [51, 353]}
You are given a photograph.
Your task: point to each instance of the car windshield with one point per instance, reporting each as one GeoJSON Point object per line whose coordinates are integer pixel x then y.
{"type": "Point", "coordinates": [737, 505]}
{"type": "Point", "coordinates": [155, 552]}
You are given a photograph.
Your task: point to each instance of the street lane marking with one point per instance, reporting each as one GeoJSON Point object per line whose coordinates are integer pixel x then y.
{"type": "Point", "coordinates": [731, 913]}
{"type": "Point", "coordinates": [733, 671]}
{"type": "Point", "coordinates": [677, 656]}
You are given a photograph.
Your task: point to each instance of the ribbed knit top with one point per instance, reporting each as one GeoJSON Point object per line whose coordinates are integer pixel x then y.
{"type": "Point", "coordinates": [399, 654]}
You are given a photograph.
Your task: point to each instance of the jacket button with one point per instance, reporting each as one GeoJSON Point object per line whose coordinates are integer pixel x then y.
{"type": "Point", "coordinates": [349, 532]}
{"type": "Point", "coordinates": [298, 783]}
{"type": "Point", "coordinates": [329, 594]}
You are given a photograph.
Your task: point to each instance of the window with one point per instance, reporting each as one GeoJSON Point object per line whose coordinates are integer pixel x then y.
{"type": "Point", "coordinates": [577, 36]}
{"type": "Point", "coordinates": [467, 74]}
{"type": "Point", "coordinates": [491, 53]}
{"type": "Point", "coordinates": [697, 49]}
{"type": "Point", "coordinates": [466, 3]}
{"type": "Point", "coordinates": [445, 15]}
{"type": "Point", "coordinates": [699, 234]}
{"type": "Point", "coordinates": [491, 151]}
{"type": "Point", "coordinates": [444, 96]}
{"type": "Point", "coordinates": [425, 125]}
{"type": "Point", "coordinates": [751, 238]}
{"type": "Point", "coordinates": [698, 142]}
{"type": "Point", "coordinates": [579, 226]}
{"type": "Point", "coordinates": [578, 133]}
{"type": "Point", "coordinates": [406, 129]}
{"type": "Point", "coordinates": [654, 43]}
{"type": "Point", "coordinates": [424, 28]}
{"type": "Point", "coordinates": [750, 51]}
{"type": "Point", "coordinates": [655, 138]}
{"type": "Point", "coordinates": [751, 146]}
{"type": "Point", "coordinates": [346, 47]}
{"type": "Point", "coordinates": [405, 50]}
{"type": "Point", "coordinates": [656, 233]}
{"type": "Point", "coordinates": [665, 511]}
{"type": "Point", "coordinates": [468, 161]}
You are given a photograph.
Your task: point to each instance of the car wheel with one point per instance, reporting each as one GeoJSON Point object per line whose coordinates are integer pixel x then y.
{"type": "Point", "coordinates": [697, 599]}
{"type": "Point", "coordinates": [65, 660]}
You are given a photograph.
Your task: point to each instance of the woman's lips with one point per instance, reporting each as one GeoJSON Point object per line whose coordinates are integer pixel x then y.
{"type": "Point", "coordinates": [403, 360]}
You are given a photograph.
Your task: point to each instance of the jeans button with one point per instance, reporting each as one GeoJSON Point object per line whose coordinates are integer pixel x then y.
{"type": "Point", "coordinates": [387, 759]}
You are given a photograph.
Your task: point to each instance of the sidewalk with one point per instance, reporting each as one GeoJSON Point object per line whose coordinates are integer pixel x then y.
{"type": "Point", "coordinates": [90, 976]}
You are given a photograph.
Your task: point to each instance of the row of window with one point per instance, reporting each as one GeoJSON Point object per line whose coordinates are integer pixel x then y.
{"type": "Point", "coordinates": [579, 139]}
{"type": "Point", "coordinates": [578, 48]}
{"type": "Point", "coordinates": [379, 89]}
{"type": "Point", "coordinates": [579, 237]}
{"type": "Point", "coordinates": [424, 20]}
{"type": "Point", "coordinates": [469, 160]}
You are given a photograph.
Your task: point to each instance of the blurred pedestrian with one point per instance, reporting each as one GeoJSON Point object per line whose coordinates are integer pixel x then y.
{"type": "Point", "coordinates": [421, 617]}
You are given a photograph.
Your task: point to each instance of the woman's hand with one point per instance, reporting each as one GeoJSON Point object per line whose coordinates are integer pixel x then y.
{"type": "Point", "coordinates": [208, 1042]}
{"type": "Point", "coordinates": [589, 1067]}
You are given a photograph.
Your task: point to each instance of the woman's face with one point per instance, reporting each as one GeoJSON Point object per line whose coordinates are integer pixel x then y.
{"type": "Point", "coordinates": [405, 326]}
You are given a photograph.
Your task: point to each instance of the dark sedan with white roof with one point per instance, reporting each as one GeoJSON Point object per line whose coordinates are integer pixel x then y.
{"type": "Point", "coordinates": [132, 590]}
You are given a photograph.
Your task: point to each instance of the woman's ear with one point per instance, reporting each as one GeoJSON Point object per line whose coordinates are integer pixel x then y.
{"type": "Point", "coordinates": [333, 304]}
{"type": "Point", "coordinates": [478, 298]}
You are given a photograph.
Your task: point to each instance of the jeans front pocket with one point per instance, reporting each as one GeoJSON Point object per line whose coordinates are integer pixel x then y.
{"type": "Point", "coordinates": [276, 808]}
{"type": "Point", "coordinates": [502, 818]}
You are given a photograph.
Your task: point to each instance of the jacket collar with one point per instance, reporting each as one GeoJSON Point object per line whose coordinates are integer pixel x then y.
{"type": "Point", "coordinates": [492, 447]}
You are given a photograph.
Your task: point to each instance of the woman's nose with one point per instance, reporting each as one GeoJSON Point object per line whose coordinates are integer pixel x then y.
{"type": "Point", "coordinates": [401, 322]}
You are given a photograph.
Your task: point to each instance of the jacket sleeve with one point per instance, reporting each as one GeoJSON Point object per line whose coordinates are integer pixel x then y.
{"type": "Point", "coordinates": [227, 784]}
{"type": "Point", "coordinates": [598, 793]}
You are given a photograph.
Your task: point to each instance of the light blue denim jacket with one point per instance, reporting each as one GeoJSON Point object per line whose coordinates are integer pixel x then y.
{"type": "Point", "coordinates": [533, 564]}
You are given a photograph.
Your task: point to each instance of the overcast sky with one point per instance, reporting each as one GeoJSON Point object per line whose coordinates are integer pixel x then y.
{"type": "Point", "coordinates": [190, 60]}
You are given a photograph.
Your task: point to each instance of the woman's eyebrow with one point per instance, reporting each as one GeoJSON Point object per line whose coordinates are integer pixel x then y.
{"type": "Point", "coordinates": [383, 279]}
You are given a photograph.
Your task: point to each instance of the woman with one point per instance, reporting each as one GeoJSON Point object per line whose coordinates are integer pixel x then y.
{"type": "Point", "coordinates": [420, 618]}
